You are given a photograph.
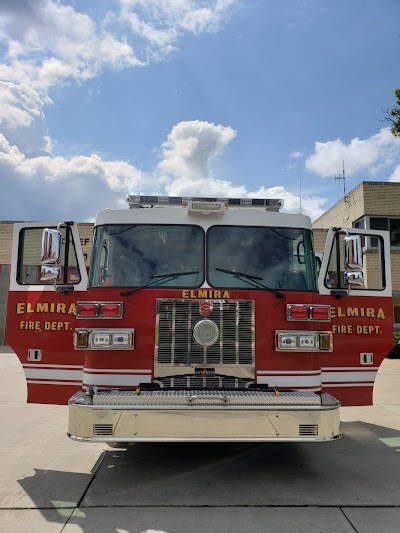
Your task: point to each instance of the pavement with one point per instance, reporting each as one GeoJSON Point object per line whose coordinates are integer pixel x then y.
{"type": "Point", "coordinates": [49, 483]}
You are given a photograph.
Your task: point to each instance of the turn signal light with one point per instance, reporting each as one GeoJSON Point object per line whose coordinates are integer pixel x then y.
{"type": "Point", "coordinates": [325, 341]}
{"type": "Point", "coordinates": [82, 337]}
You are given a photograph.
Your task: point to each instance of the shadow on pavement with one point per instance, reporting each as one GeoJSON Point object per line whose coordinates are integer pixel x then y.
{"type": "Point", "coordinates": [358, 470]}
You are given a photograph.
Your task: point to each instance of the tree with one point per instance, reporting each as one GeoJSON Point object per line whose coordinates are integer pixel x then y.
{"type": "Point", "coordinates": [393, 115]}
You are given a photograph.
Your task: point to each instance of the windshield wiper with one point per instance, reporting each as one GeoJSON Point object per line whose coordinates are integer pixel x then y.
{"type": "Point", "coordinates": [248, 276]}
{"type": "Point", "coordinates": [177, 274]}
{"type": "Point", "coordinates": [253, 279]}
{"type": "Point", "coordinates": [159, 278]}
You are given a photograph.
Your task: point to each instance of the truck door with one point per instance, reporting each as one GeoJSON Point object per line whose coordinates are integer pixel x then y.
{"type": "Point", "coordinates": [355, 280]}
{"type": "Point", "coordinates": [41, 317]}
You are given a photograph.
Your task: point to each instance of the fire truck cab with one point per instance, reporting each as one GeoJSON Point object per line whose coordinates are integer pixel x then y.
{"type": "Point", "coordinates": [201, 319]}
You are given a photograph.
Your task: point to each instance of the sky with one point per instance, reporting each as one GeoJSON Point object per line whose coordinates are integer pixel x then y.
{"type": "Point", "coordinates": [224, 98]}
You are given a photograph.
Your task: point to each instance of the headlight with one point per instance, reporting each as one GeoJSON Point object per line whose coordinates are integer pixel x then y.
{"type": "Point", "coordinates": [104, 339]}
{"type": "Point", "coordinates": [302, 341]}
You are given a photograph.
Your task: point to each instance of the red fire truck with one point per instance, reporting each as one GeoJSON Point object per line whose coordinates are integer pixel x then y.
{"type": "Point", "coordinates": [201, 319]}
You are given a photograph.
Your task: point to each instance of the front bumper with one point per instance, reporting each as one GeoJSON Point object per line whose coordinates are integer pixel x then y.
{"type": "Point", "coordinates": [203, 416]}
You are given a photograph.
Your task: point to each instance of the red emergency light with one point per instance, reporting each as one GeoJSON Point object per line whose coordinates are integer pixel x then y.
{"type": "Point", "coordinates": [320, 312]}
{"type": "Point", "coordinates": [111, 310]}
{"type": "Point", "coordinates": [308, 312]}
{"type": "Point", "coordinates": [298, 312]}
{"type": "Point", "coordinates": [99, 310]}
{"type": "Point", "coordinates": [87, 310]}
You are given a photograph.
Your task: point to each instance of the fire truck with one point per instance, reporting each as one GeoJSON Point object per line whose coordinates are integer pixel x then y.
{"type": "Point", "coordinates": [200, 319]}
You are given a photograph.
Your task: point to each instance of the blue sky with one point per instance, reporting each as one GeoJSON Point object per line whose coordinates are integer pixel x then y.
{"type": "Point", "coordinates": [181, 97]}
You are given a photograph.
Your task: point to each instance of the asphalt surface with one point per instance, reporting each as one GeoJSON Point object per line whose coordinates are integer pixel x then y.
{"type": "Point", "coordinates": [50, 484]}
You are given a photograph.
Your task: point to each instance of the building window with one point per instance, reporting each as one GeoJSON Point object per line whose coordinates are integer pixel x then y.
{"type": "Point", "coordinates": [381, 223]}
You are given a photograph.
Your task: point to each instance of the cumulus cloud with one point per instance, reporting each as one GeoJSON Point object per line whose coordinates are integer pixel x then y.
{"type": "Point", "coordinates": [360, 155]}
{"type": "Point", "coordinates": [188, 156]}
{"type": "Point", "coordinates": [49, 44]}
{"type": "Point", "coordinates": [395, 176]}
{"type": "Point", "coordinates": [192, 146]}
{"type": "Point", "coordinates": [33, 186]}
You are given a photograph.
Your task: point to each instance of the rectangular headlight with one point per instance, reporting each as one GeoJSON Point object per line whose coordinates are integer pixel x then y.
{"type": "Point", "coordinates": [121, 339]}
{"type": "Point", "coordinates": [104, 339]}
{"type": "Point", "coordinates": [303, 341]}
{"type": "Point", "coordinates": [101, 339]}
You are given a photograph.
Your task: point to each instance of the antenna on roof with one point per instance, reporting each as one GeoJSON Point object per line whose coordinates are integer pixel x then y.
{"type": "Point", "coordinates": [301, 211]}
{"type": "Point", "coordinates": [343, 177]}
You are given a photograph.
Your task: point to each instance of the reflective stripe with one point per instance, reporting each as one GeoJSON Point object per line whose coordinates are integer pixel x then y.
{"type": "Point", "coordinates": [105, 380]}
{"type": "Point", "coordinates": [44, 373]}
{"type": "Point", "coordinates": [345, 377]}
{"type": "Point", "coordinates": [291, 381]}
{"type": "Point", "coordinates": [52, 382]}
{"type": "Point", "coordinates": [116, 371]}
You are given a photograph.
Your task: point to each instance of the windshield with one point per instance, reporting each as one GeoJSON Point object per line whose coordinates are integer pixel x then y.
{"type": "Point", "coordinates": [135, 255]}
{"type": "Point", "coordinates": [242, 257]}
{"type": "Point", "coordinates": [280, 258]}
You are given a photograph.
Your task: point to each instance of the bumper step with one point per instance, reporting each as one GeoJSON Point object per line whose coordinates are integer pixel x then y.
{"type": "Point", "coordinates": [200, 398]}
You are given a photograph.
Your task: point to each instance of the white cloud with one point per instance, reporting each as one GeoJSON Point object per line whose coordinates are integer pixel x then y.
{"type": "Point", "coordinates": [360, 155]}
{"type": "Point", "coordinates": [188, 156]}
{"type": "Point", "coordinates": [395, 174]}
{"type": "Point", "coordinates": [45, 187]}
{"type": "Point", "coordinates": [50, 44]}
{"type": "Point", "coordinates": [296, 155]}
{"type": "Point", "coordinates": [191, 148]}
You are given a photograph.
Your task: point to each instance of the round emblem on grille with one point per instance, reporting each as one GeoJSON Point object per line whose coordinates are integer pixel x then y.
{"type": "Point", "coordinates": [205, 333]}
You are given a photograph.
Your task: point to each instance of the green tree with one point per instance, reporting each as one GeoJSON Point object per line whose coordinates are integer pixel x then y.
{"type": "Point", "coordinates": [393, 115]}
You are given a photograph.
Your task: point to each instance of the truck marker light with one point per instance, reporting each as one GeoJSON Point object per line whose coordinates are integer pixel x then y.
{"type": "Point", "coordinates": [87, 310]}
{"type": "Point", "coordinates": [111, 310]}
{"type": "Point", "coordinates": [320, 312]}
{"type": "Point", "coordinates": [82, 337]}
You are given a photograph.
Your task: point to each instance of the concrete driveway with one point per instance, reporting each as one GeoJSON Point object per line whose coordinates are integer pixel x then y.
{"type": "Point", "coordinates": [51, 484]}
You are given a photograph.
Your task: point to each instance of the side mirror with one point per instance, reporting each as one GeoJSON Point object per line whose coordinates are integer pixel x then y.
{"type": "Point", "coordinates": [51, 247]}
{"type": "Point", "coordinates": [353, 278]}
{"type": "Point", "coordinates": [353, 258]}
{"type": "Point", "coordinates": [50, 273]}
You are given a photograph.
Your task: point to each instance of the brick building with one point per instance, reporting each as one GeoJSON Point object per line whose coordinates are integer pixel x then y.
{"type": "Point", "coordinates": [370, 205]}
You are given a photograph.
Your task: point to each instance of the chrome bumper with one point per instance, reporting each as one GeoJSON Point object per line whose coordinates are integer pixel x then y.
{"type": "Point", "coordinates": [203, 416]}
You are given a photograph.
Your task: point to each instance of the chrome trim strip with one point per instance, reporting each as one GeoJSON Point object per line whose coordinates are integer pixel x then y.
{"type": "Point", "coordinates": [205, 407]}
{"type": "Point", "coordinates": [206, 439]}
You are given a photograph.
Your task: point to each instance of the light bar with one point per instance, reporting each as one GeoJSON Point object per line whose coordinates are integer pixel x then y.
{"type": "Point", "coordinates": [137, 201]}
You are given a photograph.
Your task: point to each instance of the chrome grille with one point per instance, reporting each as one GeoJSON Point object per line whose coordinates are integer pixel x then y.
{"type": "Point", "coordinates": [174, 340]}
{"type": "Point", "coordinates": [209, 382]}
